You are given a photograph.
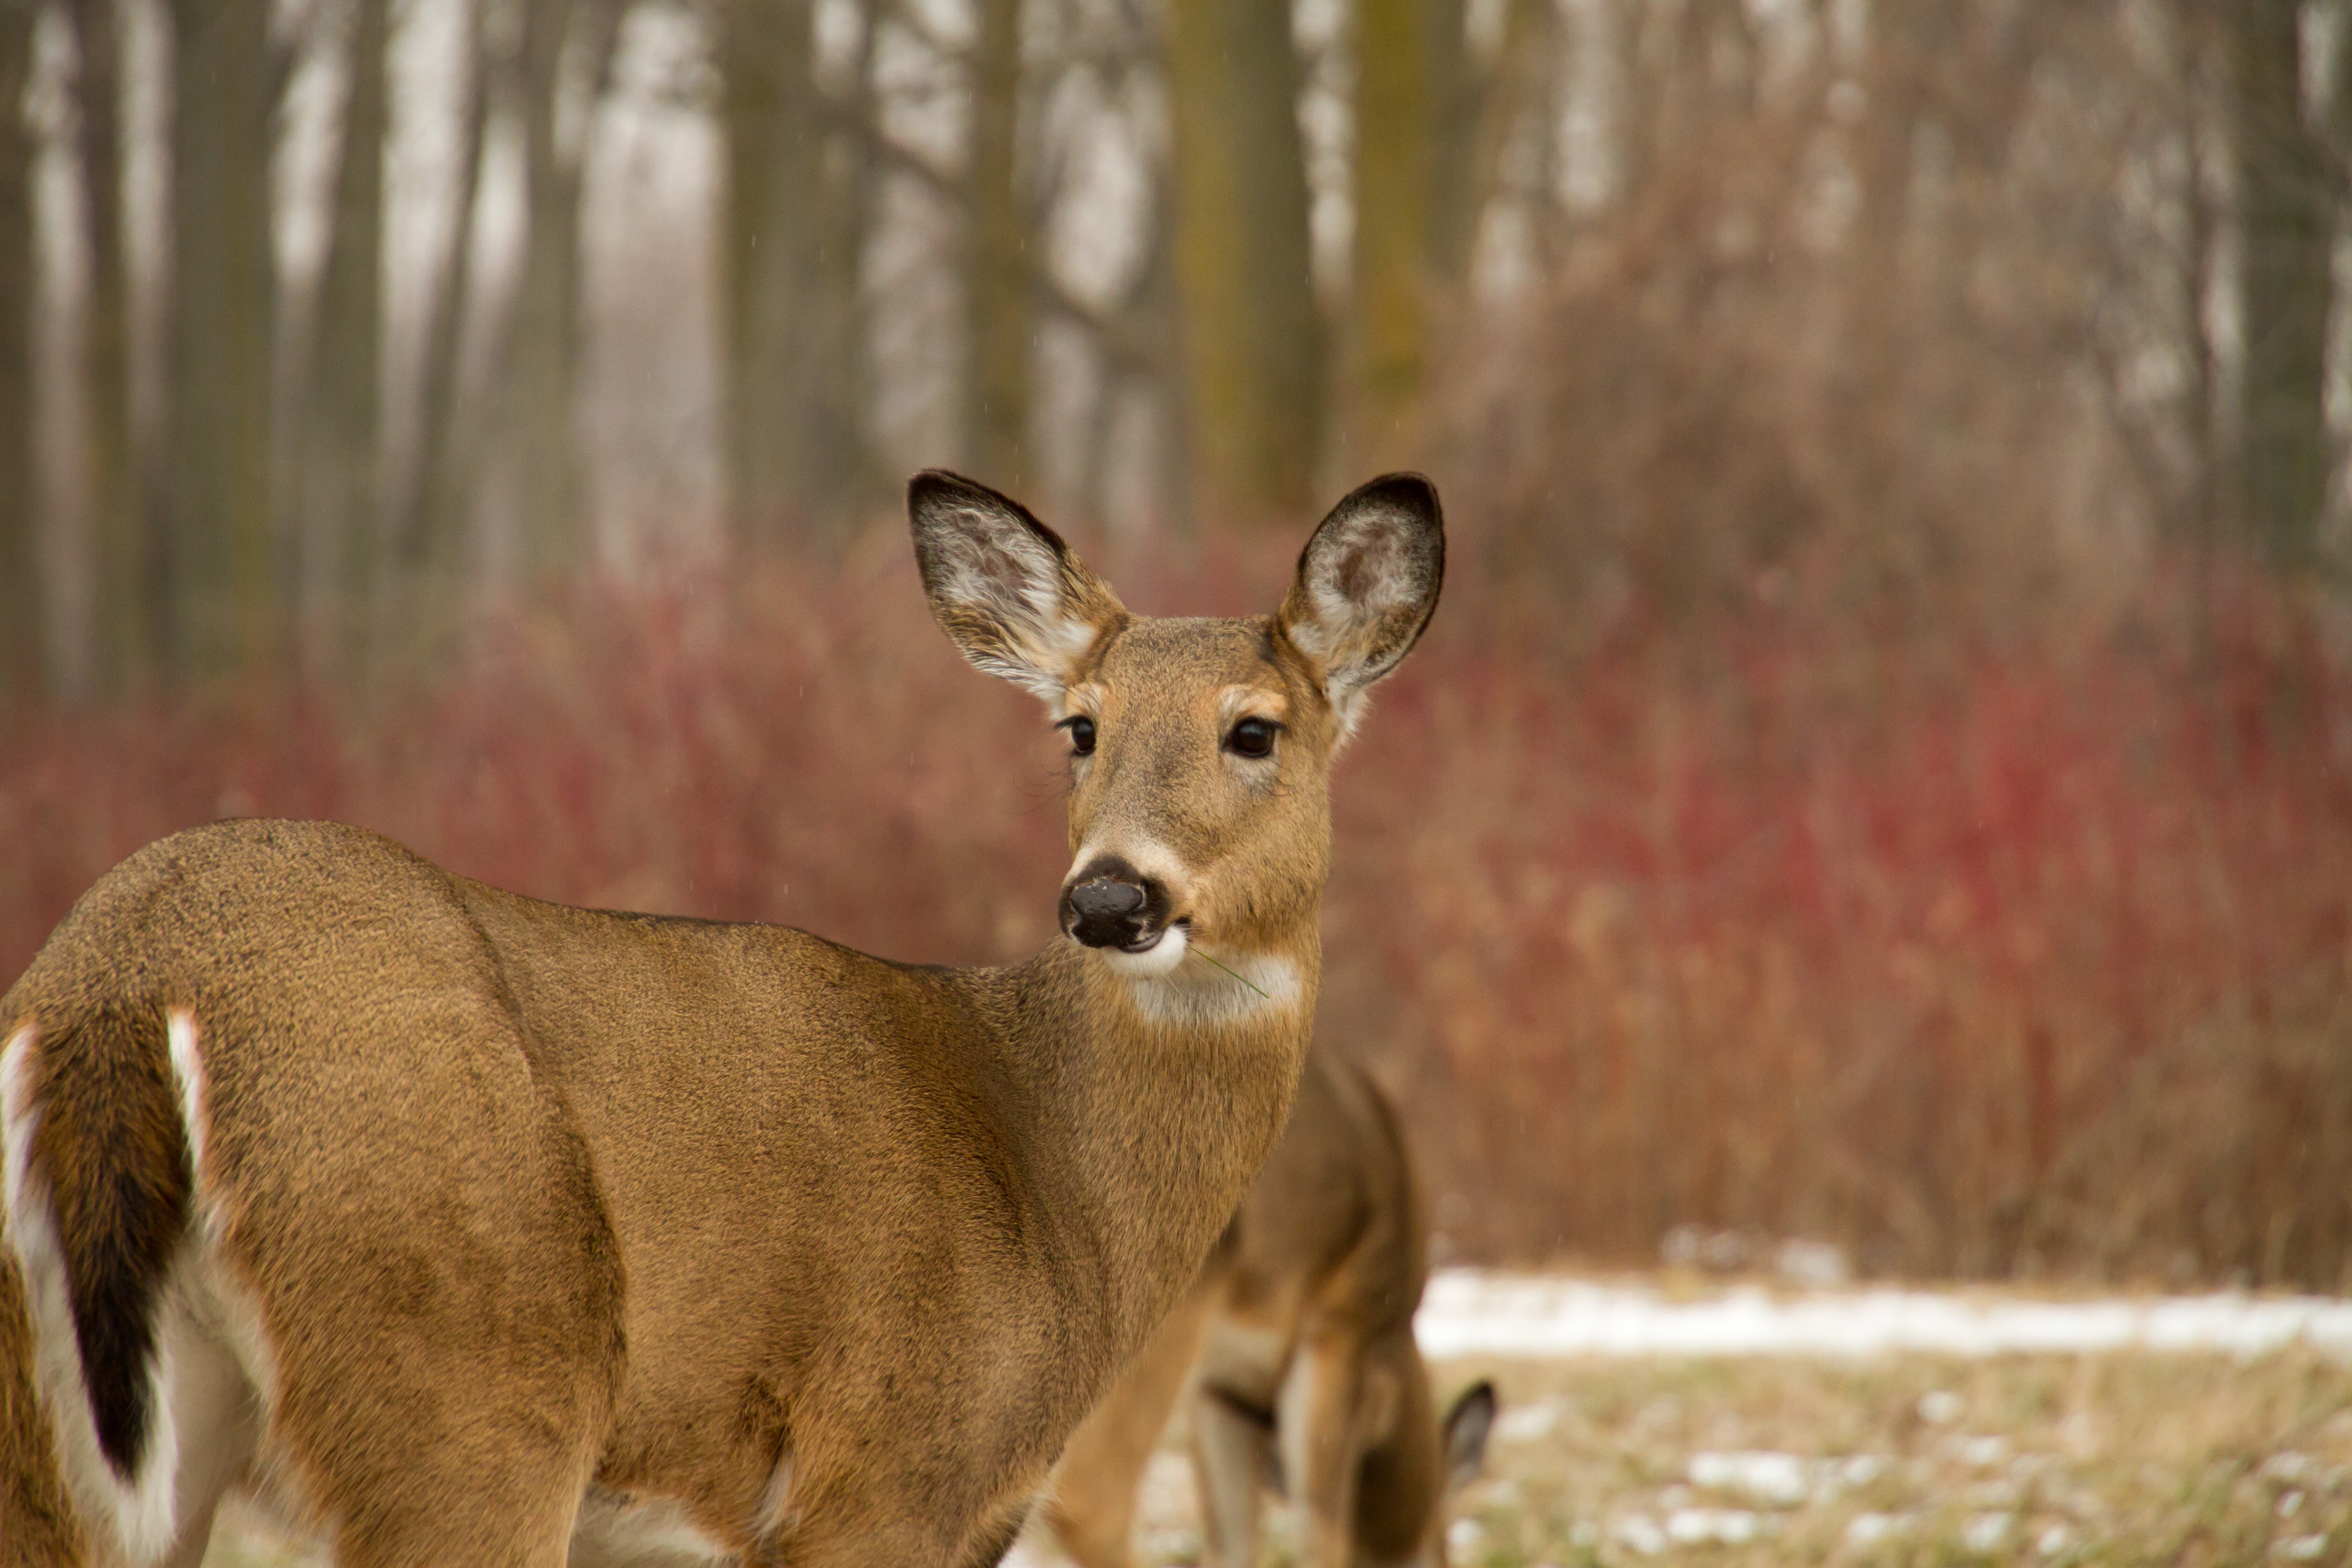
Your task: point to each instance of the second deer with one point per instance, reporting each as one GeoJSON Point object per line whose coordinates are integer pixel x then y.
{"type": "Point", "coordinates": [1295, 1347]}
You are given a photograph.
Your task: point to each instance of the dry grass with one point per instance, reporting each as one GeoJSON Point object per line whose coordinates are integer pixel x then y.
{"type": "Point", "coordinates": [2190, 1461]}
{"type": "Point", "coordinates": [2187, 1460]}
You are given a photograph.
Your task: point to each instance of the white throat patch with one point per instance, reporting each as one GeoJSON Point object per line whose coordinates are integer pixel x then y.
{"type": "Point", "coordinates": [1190, 991]}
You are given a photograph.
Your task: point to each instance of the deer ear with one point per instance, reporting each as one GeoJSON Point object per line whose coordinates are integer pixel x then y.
{"type": "Point", "coordinates": [1366, 587]}
{"type": "Point", "coordinates": [1467, 1426]}
{"type": "Point", "coordinates": [1005, 588]}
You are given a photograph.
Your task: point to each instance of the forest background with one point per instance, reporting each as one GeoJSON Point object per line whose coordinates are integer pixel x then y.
{"type": "Point", "coordinates": [1879, 776]}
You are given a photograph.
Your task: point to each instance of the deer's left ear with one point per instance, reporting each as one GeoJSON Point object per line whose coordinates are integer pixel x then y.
{"type": "Point", "coordinates": [1367, 585]}
{"type": "Point", "coordinates": [1467, 1426]}
{"type": "Point", "coordinates": [1008, 592]}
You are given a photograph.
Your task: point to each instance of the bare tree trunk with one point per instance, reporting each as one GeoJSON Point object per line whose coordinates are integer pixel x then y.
{"type": "Point", "coordinates": [343, 476]}
{"type": "Point", "coordinates": [1688, 67]}
{"type": "Point", "coordinates": [2197, 77]}
{"type": "Point", "coordinates": [226, 610]}
{"type": "Point", "coordinates": [797, 188]}
{"type": "Point", "coordinates": [436, 499]}
{"type": "Point", "coordinates": [996, 271]}
{"type": "Point", "coordinates": [2288, 203]}
{"type": "Point", "coordinates": [1396, 123]}
{"type": "Point", "coordinates": [541, 391]}
{"type": "Point", "coordinates": [1253, 340]}
{"type": "Point", "coordinates": [127, 552]}
{"type": "Point", "coordinates": [1458, 97]}
{"type": "Point", "coordinates": [1519, 101]}
{"type": "Point", "coordinates": [20, 595]}
{"type": "Point", "coordinates": [838, 471]}
{"type": "Point", "coordinates": [774, 146]}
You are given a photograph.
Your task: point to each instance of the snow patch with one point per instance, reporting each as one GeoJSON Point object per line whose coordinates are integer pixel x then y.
{"type": "Point", "coordinates": [1784, 1480]}
{"type": "Point", "coordinates": [1868, 1529]}
{"type": "Point", "coordinates": [1985, 1533]}
{"type": "Point", "coordinates": [1473, 1312]}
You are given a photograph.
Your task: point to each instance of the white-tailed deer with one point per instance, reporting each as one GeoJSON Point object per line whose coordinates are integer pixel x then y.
{"type": "Point", "coordinates": [462, 1227]}
{"type": "Point", "coordinates": [1296, 1348]}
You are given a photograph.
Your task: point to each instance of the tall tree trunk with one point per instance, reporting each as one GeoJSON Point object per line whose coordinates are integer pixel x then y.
{"type": "Point", "coordinates": [1397, 118]}
{"type": "Point", "coordinates": [2289, 198]}
{"type": "Point", "coordinates": [996, 271]}
{"type": "Point", "coordinates": [1458, 97]}
{"type": "Point", "coordinates": [20, 596]}
{"type": "Point", "coordinates": [127, 551]}
{"type": "Point", "coordinates": [541, 392]}
{"type": "Point", "coordinates": [1678, 90]}
{"type": "Point", "coordinates": [1253, 341]}
{"type": "Point", "coordinates": [1518, 101]}
{"type": "Point", "coordinates": [797, 188]}
{"type": "Point", "coordinates": [840, 374]}
{"type": "Point", "coordinates": [224, 574]}
{"type": "Point", "coordinates": [436, 499]}
{"type": "Point", "coordinates": [2203, 90]}
{"type": "Point", "coordinates": [774, 146]}
{"type": "Point", "coordinates": [342, 480]}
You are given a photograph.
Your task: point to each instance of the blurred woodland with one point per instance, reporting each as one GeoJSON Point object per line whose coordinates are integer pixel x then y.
{"type": "Point", "coordinates": [1881, 771]}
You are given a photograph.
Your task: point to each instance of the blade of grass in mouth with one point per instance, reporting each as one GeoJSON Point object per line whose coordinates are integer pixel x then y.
{"type": "Point", "coordinates": [1243, 979]}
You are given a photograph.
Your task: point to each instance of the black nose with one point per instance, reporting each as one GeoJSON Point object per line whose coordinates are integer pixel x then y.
{"type": "Point", "coordinates": [1105, 912]}
{"type": "Point", "coordinates": [1112, 904]}
{"type": "Point", "coordinates": [1106, 898]}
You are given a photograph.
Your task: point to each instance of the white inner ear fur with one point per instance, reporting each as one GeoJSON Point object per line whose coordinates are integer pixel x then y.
{"type": "Point", "coordinates": [1370, 551]}
{"type": "Point", "coordinates": [1384, 569]}
{"type": "Point", "coordinates": [1009, 574]}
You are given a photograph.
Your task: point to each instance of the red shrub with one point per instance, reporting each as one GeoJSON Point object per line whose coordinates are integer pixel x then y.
{"type": "Point", "coordinates": [1978, 956]}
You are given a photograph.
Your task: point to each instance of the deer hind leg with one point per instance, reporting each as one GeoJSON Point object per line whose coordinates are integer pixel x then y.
{"type": "Point", "coordinates": [411, 1458]}
{"type": "Point", "coordinates": [1091, 1500]}
{"type": "Point", "coordinates": [214, 1404]}
{"type": "Point", "coordinates": [1331, 1405]}
{"type": "Point", "coordinates": [1232, 1450]}
{"type": "Point", "coordinates": [466, 1433]}
{"type": "Point", "coordinates": [523, 1526]}
{"type": "Point", "coordinates": [447, 1301]}
{"type": "Point", "coordinates": [858, 1532]}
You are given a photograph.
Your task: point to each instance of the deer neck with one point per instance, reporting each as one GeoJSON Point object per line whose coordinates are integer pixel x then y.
{"type": "Point", "coordinates": [1166, 1094]}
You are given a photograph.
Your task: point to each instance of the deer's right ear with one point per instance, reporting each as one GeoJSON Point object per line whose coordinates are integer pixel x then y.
{"type": "Point", "coordinates": [1003, 586]}
{"type": "Point", "coordinates": [1367, 585]}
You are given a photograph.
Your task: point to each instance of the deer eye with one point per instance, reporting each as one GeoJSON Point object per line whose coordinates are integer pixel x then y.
{"type": "Point", "coordinates": [1082, 734]}
{"type": "Point", "coordinates": [1252, 738]}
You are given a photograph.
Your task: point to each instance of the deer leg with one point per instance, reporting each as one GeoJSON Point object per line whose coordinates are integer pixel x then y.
{"type": "Point", "coordinates": [518, 1528]}
{"type": "Point", "coordinates": [1090, 1503]}
{"type": "Point", "coordinates": [862, 1537]}
{"type": "Point", "coordinates": [1320, 1423]}
{"type": "Point", "coordinates": [219, 1421]}
{"type": "Point", "coordinates": [1232, 1446]}
{"type": "Point", "coordinates": [990, 1543]}
{"type": "Point", "coordinates": [449, 1455]}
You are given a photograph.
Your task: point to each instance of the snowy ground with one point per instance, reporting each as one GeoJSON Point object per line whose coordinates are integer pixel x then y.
{"type": "Point", "coordinates": [1681, 1419]}
{"type": "Point", "coordinates": [1742, 1426]}
{"type": "Point", "coordinates": [1470, 1313]}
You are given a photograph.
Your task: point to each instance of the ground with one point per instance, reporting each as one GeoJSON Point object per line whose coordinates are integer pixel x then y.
{"type": "Point", "coordinates": [1896, 1460]}
{"type": "Point", "coordinates": [2108, 1458]}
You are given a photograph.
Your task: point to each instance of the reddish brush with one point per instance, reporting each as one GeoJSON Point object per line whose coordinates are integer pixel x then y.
{"type": "Point", "coordinates": [1978, 960]}
{"type": "Point", "coordinates": [2017, 957]}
